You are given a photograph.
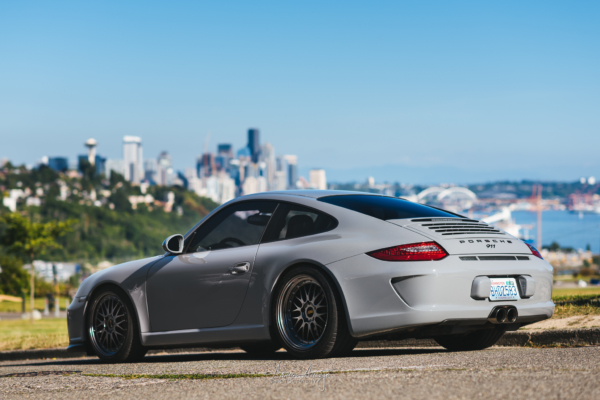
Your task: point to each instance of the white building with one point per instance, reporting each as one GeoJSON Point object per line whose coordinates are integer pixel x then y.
{"type": "Point", "coordinates": [226, 189]}
{"type": "Point", "coordinates": [47, 270]}
{"type": "Point", "coordinates": [132, 157]}
{"type": "Point", "coordinates": [317, 179]}
{"type": "Point", "coordinates": [250, 185]}
{"type": "Point", "coordinates": [14, 195]}
{"type": "Point", "coordinates": [166, 174]}
{"type": "Point", "coordinates": [33, 201]}
{"type": "Point", "coordinates": [280, 181]}
{"type": "Point", "coordinates": [117, 166]}
{"type": "Point", "coordinates": [212, 188]}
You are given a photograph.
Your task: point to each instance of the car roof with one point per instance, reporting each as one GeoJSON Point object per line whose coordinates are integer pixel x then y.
{"type": "Point", "coordinates": [315, 194]}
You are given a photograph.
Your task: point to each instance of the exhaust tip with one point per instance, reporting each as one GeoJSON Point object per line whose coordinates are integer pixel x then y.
{"type": "Point", "coordinates": [512, 315]}
{"type": "Point", "coordinates": [501, 315]}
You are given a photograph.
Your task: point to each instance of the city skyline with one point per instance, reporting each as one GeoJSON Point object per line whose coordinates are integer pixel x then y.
{"type": "Point", "coordinates": [220, 176]}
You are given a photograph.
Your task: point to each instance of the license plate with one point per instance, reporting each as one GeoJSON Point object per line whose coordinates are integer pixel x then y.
{"type": "Point", "coordinates": [504, 289]}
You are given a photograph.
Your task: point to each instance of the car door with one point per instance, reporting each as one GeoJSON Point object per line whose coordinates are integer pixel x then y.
{"type": "Point", "coordinates": [205, 287]}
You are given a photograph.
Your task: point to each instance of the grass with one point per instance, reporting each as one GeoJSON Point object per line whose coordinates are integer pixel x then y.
{"type": "Point", "coordinates": [571, 310]}
{"type": "Point", "coordinates": [571, 278]}
{"type": "Point", "coordinates": [39, 302]}
{"type": "Point", "coordinates": [41, 334]}
{"type": "Point", "coordinates": [586, 291]}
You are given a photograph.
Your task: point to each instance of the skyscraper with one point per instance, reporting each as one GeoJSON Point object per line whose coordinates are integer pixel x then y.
{"type": "Point", "coordinates": [291, 163]}
{"type": "Point", "coordinates": [165, 169]}
{"type": "Point", "coordinates": [151, 170]}
{"type": "Point", "coordinates": [254, 144]}
{"type": "Point", "coordinates": [205, 165]}
{"type": "Point", "coordinates": [224, 156]}
{"type": "Point", "coordinates": [59, 164]}
{"type": "Point", "coordinates": [132, 157]}
{"type": "Point", "coordinates": [267, 155]}
{"type": "Point", "coordinates": [225, 149]}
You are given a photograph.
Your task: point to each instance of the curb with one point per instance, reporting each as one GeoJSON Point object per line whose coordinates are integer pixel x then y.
{"type": "Point", "coordinates": [552, 338]}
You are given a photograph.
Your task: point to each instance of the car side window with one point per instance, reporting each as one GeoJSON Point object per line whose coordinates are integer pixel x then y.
{"type": "Point", "coordinates": [293, 221]}
{"type": "Point", "coordinates": [241, 224]}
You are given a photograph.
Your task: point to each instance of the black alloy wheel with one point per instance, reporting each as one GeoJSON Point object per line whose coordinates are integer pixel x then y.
{"type": "Point", "coordinates": [309, 318]}
{"type": "Point", "coordinates": [112, 329]}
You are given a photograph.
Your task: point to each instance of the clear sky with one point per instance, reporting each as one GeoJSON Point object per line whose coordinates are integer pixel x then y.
{"type": "Point", "coordinates": [406, 90]}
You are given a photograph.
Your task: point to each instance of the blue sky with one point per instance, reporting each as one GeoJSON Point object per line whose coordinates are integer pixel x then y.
{"type": "Point", "coordinates": [412, 91]}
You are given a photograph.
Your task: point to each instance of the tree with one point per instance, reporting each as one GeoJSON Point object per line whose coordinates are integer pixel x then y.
{"type": "Point", "coordinates": [29, 240]}
{"type": "Point", "coordinates": [13, 279]}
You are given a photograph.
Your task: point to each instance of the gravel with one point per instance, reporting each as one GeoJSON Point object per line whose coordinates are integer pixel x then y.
{"type": "Point", "coordinates": [432, 373]}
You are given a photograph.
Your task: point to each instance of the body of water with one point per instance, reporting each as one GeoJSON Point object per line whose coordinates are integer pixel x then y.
{"type": "Point", "coordinates": [568, 229]}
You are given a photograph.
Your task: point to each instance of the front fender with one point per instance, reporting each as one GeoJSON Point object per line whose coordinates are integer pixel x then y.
{"type": "Point", "coordinates": [130, 277]}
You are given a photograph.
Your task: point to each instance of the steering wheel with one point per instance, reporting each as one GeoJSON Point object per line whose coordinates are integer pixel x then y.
{"type": "Point", "coordinates": [232, 240]}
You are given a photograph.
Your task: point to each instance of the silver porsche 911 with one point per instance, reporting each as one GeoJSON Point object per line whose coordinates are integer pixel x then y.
{"type": "Point", "coordinates": [315, 272]}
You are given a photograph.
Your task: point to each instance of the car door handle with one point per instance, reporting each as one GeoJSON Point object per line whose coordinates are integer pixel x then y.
{"type": "Point", "coordinates": [240, 268]}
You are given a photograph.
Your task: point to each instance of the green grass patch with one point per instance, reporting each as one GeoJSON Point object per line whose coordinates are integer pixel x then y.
{"type": "Point", "coordinates": [586, 291]}
{"type": "Point", "coordinates": [39, 304]}
{"type": "Point", "coordinates": [41, 334]}
{"type": "Point", "coordinates": [575, 295]}
{"type": "Point", "coordinates": [572, 310]}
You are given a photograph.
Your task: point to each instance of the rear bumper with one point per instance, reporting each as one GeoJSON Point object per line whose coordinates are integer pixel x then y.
{"type": "Point", "coordinates": [385, 296]}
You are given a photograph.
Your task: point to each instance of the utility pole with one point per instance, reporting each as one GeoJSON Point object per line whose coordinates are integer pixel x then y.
{"type": "Point", "coordinates": [539, 217]}
{"type": "Point", "coordinates": [57, 300]}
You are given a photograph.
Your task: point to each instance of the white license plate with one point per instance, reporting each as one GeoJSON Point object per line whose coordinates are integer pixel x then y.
{"type": "Point", "coordinates": [504, 289]}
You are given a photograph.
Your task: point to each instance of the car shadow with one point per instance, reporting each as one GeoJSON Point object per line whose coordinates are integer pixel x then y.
{"type": "Point", "coordinates": [228, 355]}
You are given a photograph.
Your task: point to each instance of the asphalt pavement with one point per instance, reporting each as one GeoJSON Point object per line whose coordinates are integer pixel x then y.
{"type": "Point", "coordinates": [408, 373]}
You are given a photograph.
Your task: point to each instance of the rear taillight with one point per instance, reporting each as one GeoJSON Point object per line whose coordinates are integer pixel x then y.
{"type": "Point", "coordinates": [427, 251]}
{"type": "Point", "coordinates": [534, 251]}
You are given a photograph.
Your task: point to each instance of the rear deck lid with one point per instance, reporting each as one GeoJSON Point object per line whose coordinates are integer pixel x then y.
{"type": "Point", "coordinates": [465, 236]}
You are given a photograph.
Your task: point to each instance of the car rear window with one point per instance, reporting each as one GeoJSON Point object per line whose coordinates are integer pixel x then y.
{"type": "Point", "coordinates": [385, 207]}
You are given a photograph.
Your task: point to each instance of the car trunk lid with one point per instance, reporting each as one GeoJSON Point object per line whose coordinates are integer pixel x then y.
{"type": "Point", "coordinates": [465, 236]}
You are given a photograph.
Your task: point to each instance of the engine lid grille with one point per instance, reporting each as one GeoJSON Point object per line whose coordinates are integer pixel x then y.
{"type": "Point", "coordinates": [450, 226]}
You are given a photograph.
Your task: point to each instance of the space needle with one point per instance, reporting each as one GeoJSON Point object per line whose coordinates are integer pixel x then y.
{"type": "Point", "coordinates": [91, 145]}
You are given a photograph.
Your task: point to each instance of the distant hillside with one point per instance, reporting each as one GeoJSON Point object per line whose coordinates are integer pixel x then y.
{"type": "Point", "coordinates": [108, 227]}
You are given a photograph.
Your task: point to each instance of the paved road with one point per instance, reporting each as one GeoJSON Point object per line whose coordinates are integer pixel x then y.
{"type": "Point", "coordinates": [496, 373]}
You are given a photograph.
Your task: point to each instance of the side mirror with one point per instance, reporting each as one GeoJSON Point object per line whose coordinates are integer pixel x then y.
{"type": "Point", "coordinates": [173, 244]}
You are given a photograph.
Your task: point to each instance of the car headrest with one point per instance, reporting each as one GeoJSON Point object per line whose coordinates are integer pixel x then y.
{"type": "Point", "coordinates": [299, 225]}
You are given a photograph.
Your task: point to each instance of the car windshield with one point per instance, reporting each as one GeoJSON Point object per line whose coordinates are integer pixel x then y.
{"type": "Point", "coordinates": [385, 208]}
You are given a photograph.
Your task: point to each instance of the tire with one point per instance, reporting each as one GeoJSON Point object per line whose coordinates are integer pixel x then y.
{"type": "Point", "coordinates": [262, 349]}
{"type": "Point", "coordinates": [112, 329]}
{"type": "Point", "coordinates": [477, 340]}
{"type": "Point", "coordinates": [308, 316]}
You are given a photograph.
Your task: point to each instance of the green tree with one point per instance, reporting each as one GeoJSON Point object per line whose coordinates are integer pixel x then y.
{"type": "Point", "coordinates": [13, 278]}
{"type": "Point", "coordinates": [29, 240]}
